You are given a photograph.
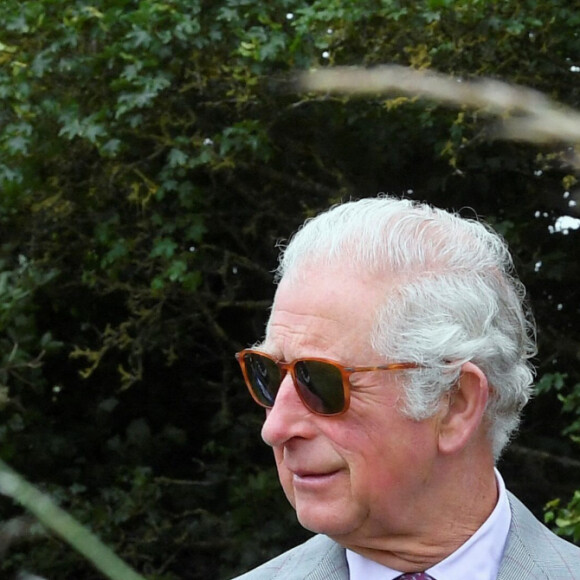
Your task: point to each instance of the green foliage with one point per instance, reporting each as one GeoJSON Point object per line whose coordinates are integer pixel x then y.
{"type": "Point", "coordinates": [152, 154]}
{"type": "Point", "coordinates": [566, 519]}
{"type": "Point", "coordinates": [21, 345]}
{"type": "Point", "coordinates": [568, 396]}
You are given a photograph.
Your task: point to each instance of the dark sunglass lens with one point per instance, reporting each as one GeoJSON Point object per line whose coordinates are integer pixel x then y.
{"type": "Point", "coordinates": [320, 385]}
{"type": "Point", "coordinates": [264, 377]}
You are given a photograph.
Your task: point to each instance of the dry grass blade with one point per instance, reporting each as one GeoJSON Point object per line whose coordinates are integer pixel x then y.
{"type": "Point", "coordinates": [539, 119]}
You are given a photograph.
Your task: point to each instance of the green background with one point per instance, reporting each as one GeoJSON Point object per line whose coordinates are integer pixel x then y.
{"type": "Point", "coordinates": [152, 155]}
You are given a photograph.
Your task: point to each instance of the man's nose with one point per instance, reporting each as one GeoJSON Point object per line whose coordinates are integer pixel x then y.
{"type": "Point", "coordinates": [288, 417]}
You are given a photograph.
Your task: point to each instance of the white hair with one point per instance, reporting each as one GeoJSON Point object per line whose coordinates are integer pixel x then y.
{"type": "Point", "coordinates": [455, 299]}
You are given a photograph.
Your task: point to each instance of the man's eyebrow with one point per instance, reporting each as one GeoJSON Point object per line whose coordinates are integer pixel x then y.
{"type": "Point", "coordinates": [270, 349]}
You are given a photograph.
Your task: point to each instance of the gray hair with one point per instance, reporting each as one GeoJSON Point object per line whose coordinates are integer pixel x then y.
{"type": "Point", "coordinates": [456, 299]}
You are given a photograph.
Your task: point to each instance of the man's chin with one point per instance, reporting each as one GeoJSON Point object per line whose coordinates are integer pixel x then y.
{"type": "Point", "coordinates": [327, 522]}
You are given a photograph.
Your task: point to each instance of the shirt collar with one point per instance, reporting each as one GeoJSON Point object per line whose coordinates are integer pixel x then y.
{"type": "Point", "coordinates": [478, 558]}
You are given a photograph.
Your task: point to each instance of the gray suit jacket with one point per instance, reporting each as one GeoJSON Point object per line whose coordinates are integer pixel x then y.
{"type": "Point", "coordinates": [532, 553]}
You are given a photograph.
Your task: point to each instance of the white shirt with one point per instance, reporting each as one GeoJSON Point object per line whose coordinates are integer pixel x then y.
{"type": "Point", "coordinates": [477, 559]}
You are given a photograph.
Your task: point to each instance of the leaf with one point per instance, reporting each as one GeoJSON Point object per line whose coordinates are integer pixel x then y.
{"type": "Point", "coordinates": [177, 158]}
{"type": "Point", "coordinates": [163, 247]}
{"type": "Point", "coordinates": [176, 270]}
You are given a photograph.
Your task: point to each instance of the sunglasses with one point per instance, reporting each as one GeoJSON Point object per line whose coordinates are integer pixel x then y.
{"type": "Point", "coordinates": [323, 385]}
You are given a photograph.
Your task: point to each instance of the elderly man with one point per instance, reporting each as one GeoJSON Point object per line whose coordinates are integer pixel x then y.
{"type": "Point", "coordinates": [393, 373]}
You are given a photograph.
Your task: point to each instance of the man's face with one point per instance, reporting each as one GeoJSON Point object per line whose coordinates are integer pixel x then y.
{"type": "Point", "coordinates": [362, 474]}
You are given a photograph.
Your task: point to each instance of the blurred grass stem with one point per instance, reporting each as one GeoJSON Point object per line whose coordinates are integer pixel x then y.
{"type": "Point", "coordinates": [64, 525]}
{"type": "Point", "coordinates": [527, 114]}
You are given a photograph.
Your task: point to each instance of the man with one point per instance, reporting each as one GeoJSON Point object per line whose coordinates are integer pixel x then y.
{"type": "Point", "coordinates": [393, 372]}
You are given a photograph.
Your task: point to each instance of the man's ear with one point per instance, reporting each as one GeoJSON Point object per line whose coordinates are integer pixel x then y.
{"type": "Point", "coordinates": [463, 415]}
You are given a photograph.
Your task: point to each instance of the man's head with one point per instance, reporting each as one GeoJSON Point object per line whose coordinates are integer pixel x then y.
{"type": "Point", "coordinates": [452, 298]}
{"type": "Point", "coordinates": [380, 283]}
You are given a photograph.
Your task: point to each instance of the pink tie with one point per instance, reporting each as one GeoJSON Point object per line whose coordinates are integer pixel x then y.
{"type": "Point", "coordinates": [415, 576]}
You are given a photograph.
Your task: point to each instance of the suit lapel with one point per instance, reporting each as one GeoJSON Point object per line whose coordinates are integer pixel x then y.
{"type": "Point", "coordinates": [320, 558]}
{"type": "Point", "coordinates": [332, 567]}
{"type": "Point", "coordinates": [518, 562]}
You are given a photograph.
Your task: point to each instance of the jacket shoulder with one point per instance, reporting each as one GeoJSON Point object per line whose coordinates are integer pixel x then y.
{"type": "Point", "coordinates": [319, 558]}
{"type": "Point", "coordinates": [534, 552]}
